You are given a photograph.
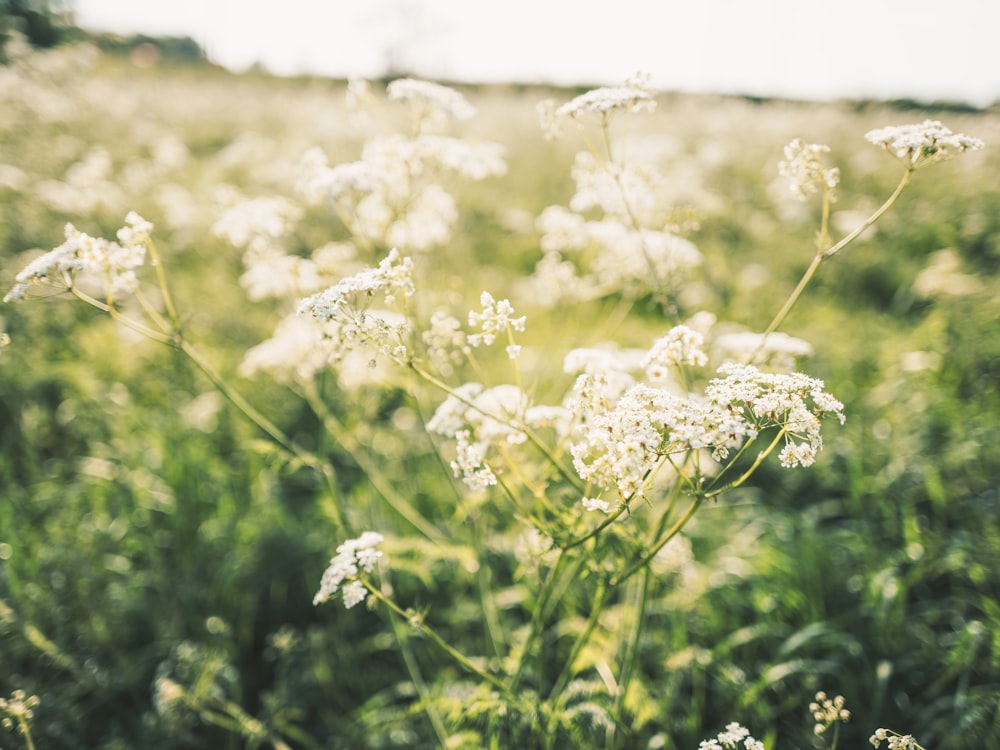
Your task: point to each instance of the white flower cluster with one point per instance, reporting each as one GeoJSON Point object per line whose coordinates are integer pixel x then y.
{"type": "Point", "coordinates": [827, 711]}
{"type": "Point", "coordinates": [480, 419]}
{"type": "Point", "coordinates": [777, 350]}
{"type": "Point", "coordinates": [115, 264]}
{"type": "Point", "coordinates": [735, 737]}
{"type": "Point", "coordinates": [620, 257]}
{"type": "Point", "coordinates": [393, 276]}
{"type": "Point", "coordinates": [924, 143]}
{"type": "Point", "coordinates": [389, 194]}
{"type": "Point", "coordinates": [806, 171]}
{"type": "Point", "coordinates": [258, 224]}
{"type": "Point", "coordinates": [681, 346]}
{"type": "Point", "coordinates": [635, 96]}
{"type": "Point", "coordinates": [430, 101]}
{"type": "Point", "coordinates": [353, 557]}
{"type": "Point", "coordinates": [896, 741]}
{"type": "Point", "coordinates": [620, 442]}
{"type": "Point", "coordinates": [347, 303]}
{"type": "Point", "coordinates": [495, 318]}
{"type": "Point", "coordinates": [618, 190]}
{"type": "Point", "coordinates": [445, 340]}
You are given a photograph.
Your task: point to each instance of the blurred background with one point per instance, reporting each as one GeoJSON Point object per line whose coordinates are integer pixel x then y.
{"type": "Point", "coordinates": [883, 49]}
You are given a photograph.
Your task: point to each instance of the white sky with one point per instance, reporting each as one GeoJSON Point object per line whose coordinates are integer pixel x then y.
{"type": "Point", "coordinates": [924, 49]}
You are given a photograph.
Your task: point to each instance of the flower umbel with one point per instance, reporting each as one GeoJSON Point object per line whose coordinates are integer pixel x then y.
{"type": "Point", "coordinates": [81, 253]}
{"type": "Point", "coordinates": [353, 557]}
{"type": "Point", "coordinates": [895, 740]}
{"type": "Point", "coordinates": [827, 712]}
{"type": "Point", "coordinates": [735, 737]}
{"type": "Point", "coordinates": [805, 169]}
{"type": "Point", "coordinates": [925, 143]}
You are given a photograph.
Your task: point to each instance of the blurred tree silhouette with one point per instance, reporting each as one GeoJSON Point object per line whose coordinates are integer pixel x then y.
{"type": "Point", "coordinates": [40, 21]}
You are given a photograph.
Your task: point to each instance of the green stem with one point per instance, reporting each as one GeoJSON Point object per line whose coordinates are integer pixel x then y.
{"type": "Point", "coordinates": [822, 255]}
{"type": "Point", "coordinates": [538, 616]}
{"type": "Point", "coordinates": [413, 669]}
{"type": "Point", "coordinates": [373, 473]}
{"type": "Point", "coordinates": [633, 630]}
{"type": "Point", "coordinates": [457, 656]}
{"type": "Point", "coordinates": [654, 550]}
{"type": "Point", "coordinates": [596, 609]}
{"type": "Point", "coordinates": [753, 467]}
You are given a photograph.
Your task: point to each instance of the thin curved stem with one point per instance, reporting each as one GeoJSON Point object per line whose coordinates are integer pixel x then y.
{"type": "Point", "coordinates": [829, 252]}
{"type": "Point", "coordinates": [633, 632]}
{"type": "Point", "coordinates": [457, 656]}
{"type": "Point", "coordinates": [654, 550]}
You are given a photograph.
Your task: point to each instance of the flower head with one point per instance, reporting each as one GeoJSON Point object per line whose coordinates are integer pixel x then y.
{"type": "Point", "coordinates": [924, 143]}
{"type": "Point", "coordinates": [80, 253]}
{"type": "Point", "coordinates": [354, 557]}
{"type": "Point", "coordinates": [806, 171]}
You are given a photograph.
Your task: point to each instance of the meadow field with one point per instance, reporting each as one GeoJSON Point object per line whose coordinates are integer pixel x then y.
{"type": "Point", "coordinates": [406, 347]}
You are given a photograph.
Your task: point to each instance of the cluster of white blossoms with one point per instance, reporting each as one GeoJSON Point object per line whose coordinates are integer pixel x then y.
{"type": "Point", "coordinates": [629, 248]}
{"type": "Point", "coordinates": [392, 195]}
{"type": "Point", "coordinates": [827, 711]}
{"type": "Point", "coordinates": [924, 143]}
{"type": "Point", "coordinates": [113, 263]}
{"type": "Point", "coordinates": [586, 259]}
{"type": "Point", "coordinates": [681, 346]}
{"type": "Point", "coordinates": [353, 557]}
{"type": "Point", "coordinates": [495, 318]}
{"type": "Point", "coordinates": [18, 710]}
{"type": "Point", "coordinates": [620, 191]}
{"type": "Point", "coordinates": [482, 422]}
{"type": "Point", "coordinates": [258, 226]}
{"type": "Point", "coordinates": [620, 440]}
{"type": "Point", "coordinates": [446, 343]}
{"type": "Point", "coordinates": [636, 95]}
{"type": "Point", "coordinates": [430, 103]}
{"type": "Point", "coordinates": [348, 305]}
{"type": "Point", "coordinates": [806, 171]}
{"type": "Point", "coordinates": [776, 351]}
{"type": "Point", "coordinates": [895, 740]}
{"type": "Point", "coordinates": [735, 737]}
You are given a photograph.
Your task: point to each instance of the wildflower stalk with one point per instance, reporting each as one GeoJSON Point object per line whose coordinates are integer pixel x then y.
{"type": "Point", "coordinates": [418, 623]}
{"type": "Point", "coordinates": [375, 476]}
{"type": "Point", "coordinates": [753, 467]}
{"type": "Point", "coordinates": [596, 608]}
{"type": "Point", "coordinates": [532, 438]}
{"type": "Point", "coordinates": [413, 670]}
{"type": "Point", "coordinates": [540, 612]}
{"type": "Point", "coordinates": [171, 336]}
{"type": "Point", "coordinates": [633, 629]}
{"type": "Point", "coordinates": [674, 530]}
{"type": "Point", "coordinates": [824, 253]}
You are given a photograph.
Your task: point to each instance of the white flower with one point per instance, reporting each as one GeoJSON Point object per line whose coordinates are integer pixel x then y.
{"type": "Point", "coordinates": [634, 96]}
{"type": "Point", "coordinates": [353, 557]}
{"type": "Point", "coordinates": [593, 503]}
{"type": "Point", "coordinates": [681, 346]}
{"type": "Point", "coordinates": [735, 737]}
{"type": "Point", "coordinates": [805, 169]}
{"type": "Point", "coordinates": [924, 143]}
{"type": "Point", "coordinates": [496, 317]}
{"type": "Point", "coordinates": [777, 349]}
{"type": "Point", "coordinates": [114, 264]}
{"type": "Point", "coordinates": [431, 99]}
{"type": "Point", "coordinates": [393, 276]}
